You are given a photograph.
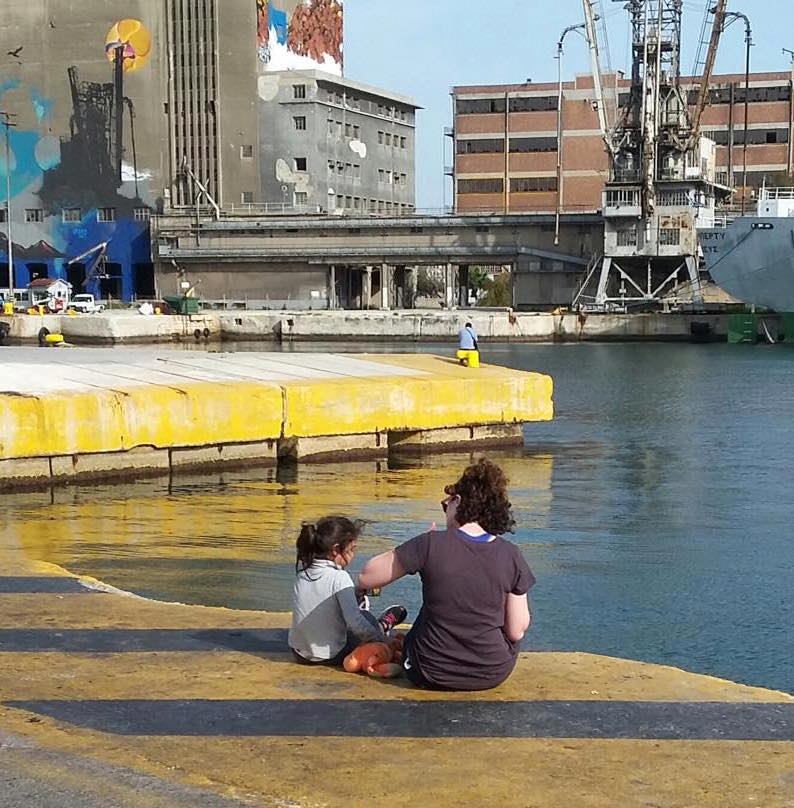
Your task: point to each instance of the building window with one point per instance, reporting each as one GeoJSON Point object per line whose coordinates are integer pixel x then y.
{"type": "Point", "coordinates": [357, 172]}
{"type": "Point", "coordinates": [669, 237]}
{"type": "Point", "coordinates": [331, 127]}
{"type": "Point", "coordinates": [142, 214]}
{"type": "Point", "coordinates": [629, 197]}
{"type": "Point", "coordinates": [348, 130]}
{"type": "Point", "coordinates": [349, 171]}
{"type": "Point", "coordinates": [381, 110]}
{"type": "Point", "coordinates": [71, 215]}
{"type": "Point", "coordinates": [380, 137]}
{"type": "Point", "coordinates": [300, 164]}
{"type": "Point", "coordinates": [388, 138]}
{"type": "Point", "coordinates": [299, 91]}
{"type": "Point", "coordinates": [3, 215]}
{"type": "Point", "coordinates": [668, 199]}
{"type": "Point", "coordinates": [533, 144]}
{"type": "Point", "coordinates": [348, 202]}
{"type": "Point", "coordinates": [381, 176]}
{"type": "Point", "coordinates": [247, 197]}
{"type": "Point", "coordinates": [481, 146]}
{"type": "Point", "coordinates": [340, 201]}
{"type": "Point", "coordinates": [479, 106]}
{"type": "Point", "coordinates": [373, 205]}
{"type": "Point", "coordinates": [33, 215]}
{"type": "Point", "coordinates": [300, 122]}
{"type": "Point", "coordinates": [402, 142]}
{"type": "Point", "coordinates": [246, 152]}
{"type": "Point", "coordinates": [483, 186]}
{"type": "Point", "coordinates": [301, 198]}
{"type": "Point", "coordinates": [357, 203]}
{"type": "Point", "coordinates": [331, 167]}
{"type": "Point", "coordinates": [627, 237]}
{"type": "Point", "coordinates": [356, 132]}
{"type": "Point", "coordinates": [106, 214]}
{"type": "Point", "coordinates": [529, 185]}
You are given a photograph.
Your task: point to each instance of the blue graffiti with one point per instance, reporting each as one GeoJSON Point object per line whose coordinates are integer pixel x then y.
{"type": "Point", "coordinates": [10, 84]}
{"type": "Point", "coordinates": [41, 106]}
{"type": "Point", "coordinates": [30, 158]}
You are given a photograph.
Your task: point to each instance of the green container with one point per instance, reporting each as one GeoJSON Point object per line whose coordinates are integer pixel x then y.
{"type": "Point", "coordinates": [787, 327]}
{"type": "Point", "coordinates": [183, 305]}
{"type": "Point", "coordinates": [743, 329]}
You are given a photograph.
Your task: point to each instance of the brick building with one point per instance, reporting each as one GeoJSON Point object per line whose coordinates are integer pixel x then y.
{"type": "Point", "coordinates": [524, 178]}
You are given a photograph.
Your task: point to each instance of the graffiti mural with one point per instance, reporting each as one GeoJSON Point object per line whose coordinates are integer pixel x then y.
{"type": "Point", "coordinates": [134, 40]}
{"type": "Point", "coordinates": [301, 34]}
{"type": "Point", "coordinates": [74, 193]}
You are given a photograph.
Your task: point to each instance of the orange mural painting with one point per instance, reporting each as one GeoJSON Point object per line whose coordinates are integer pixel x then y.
{"type": "Point", "coordinates": [136, 41]}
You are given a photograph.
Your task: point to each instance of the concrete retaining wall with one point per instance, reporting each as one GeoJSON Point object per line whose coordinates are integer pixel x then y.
{"type": "Point", "coordinates": [412, 326]}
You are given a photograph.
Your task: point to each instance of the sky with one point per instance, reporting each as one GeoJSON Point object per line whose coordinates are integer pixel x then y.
{"type": "Point", "coordinates": [422, 48]}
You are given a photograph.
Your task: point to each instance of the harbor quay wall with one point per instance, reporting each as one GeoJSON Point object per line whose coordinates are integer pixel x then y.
{"type": "Point", "coordinates": [93, 412]}
{"type": "Point", "coordinates": [115, 328]}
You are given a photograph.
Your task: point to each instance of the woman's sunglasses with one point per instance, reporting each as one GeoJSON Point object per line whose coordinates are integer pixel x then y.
{"type": "Point", "coordinates": [445, 502]}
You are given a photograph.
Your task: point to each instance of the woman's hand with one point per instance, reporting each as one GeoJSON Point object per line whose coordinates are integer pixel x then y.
{"type": "Point", "coordinates": [380, 571]}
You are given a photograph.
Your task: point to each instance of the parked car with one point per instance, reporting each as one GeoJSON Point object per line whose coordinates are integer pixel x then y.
{"type": "Point", "coordinates": [86, 304]}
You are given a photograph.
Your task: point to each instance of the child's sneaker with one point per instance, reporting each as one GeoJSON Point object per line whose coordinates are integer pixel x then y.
{"type": "Point", "coordinates": [392, 617]}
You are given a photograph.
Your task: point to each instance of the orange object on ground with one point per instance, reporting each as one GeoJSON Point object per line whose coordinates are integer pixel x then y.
{"type": "Point", "coordinates": [379, 659]}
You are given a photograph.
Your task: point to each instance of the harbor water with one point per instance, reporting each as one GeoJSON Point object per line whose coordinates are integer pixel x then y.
{"type": "Point", "coordinates": [655, 510]}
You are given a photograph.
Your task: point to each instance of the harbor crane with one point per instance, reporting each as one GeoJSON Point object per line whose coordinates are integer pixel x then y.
{"type": "Point", "coordinates": [662, 179]}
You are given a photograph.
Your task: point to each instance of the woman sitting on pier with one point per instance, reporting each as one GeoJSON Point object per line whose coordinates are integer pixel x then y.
{"type": "Point", "coordinates": [474, 586]}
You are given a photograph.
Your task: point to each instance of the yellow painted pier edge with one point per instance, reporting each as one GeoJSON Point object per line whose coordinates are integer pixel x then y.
{"type": "Point", "coordinates": [148, 427]}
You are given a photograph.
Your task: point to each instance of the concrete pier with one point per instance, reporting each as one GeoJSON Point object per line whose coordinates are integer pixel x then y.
{"type": "Point", "coordinates": [118, 328]}
{"type": "Point", "coordinates": [153, 704]}
{"type": "Point", "coordinates": [69, 413]}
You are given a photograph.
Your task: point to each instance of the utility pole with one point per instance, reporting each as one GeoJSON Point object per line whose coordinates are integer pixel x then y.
{"type": "Point", "coordinates": [567, 31]}
{"type": "Point", "coordinates": [8, 125]}
{"type": "Point", "coordinates": [790, 53]}
{"type": "Point", "coordinates": [730, 16]}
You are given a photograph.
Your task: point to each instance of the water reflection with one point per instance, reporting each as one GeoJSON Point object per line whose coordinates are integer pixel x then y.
{"type": "Point", "coordinates": [228, 538]}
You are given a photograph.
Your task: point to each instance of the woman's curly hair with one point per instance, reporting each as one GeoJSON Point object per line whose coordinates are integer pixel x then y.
{"type": "Point", "coordinates": [483, 497]}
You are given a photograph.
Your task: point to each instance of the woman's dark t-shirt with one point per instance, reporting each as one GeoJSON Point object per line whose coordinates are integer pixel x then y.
{"type": "Point", "coordinates": [458, 639]}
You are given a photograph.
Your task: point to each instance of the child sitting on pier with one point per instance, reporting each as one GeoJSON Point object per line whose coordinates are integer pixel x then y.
{"type": "Point", "coordinates": [327, 620]}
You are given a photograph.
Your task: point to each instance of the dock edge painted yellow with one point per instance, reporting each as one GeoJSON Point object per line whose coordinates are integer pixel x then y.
{"type": "Point", "coordinates": [441, 395]}
{"type": "Point", "coordinates": [162, 417]}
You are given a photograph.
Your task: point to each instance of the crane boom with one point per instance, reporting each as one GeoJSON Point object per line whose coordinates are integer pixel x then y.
{"type": "Point", "coordinates": [708, 71]}
{"type": "Point", "coordinates": [592, 41]}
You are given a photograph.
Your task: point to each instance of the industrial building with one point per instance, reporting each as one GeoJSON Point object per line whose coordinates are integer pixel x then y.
{"type": "Point", "coordinates": [524, 178]}
{"type": "Point", "coordinates": [129, 108]}
{"type": "Point", "coordinates": [329, 144]}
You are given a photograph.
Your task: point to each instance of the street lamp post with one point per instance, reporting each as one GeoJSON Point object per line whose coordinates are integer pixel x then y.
{"type": "Point", "coordinates": [559, 127]}
{"type": "Point", "coordinates": [10, 250]}
{"type": "Point", "coordinates": [730, 16]}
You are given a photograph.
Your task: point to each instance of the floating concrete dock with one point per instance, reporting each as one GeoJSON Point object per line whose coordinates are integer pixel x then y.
{"type": "Point", "coordinates": [151, 704]}
{"type": "Point", "coordinates": [72, 412]}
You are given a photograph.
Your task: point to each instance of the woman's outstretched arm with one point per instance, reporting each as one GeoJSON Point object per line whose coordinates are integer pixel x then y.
{"type": "Point", "coordinates": [517, 617]}
{"type": "Point", "coordinates": [380, 571]}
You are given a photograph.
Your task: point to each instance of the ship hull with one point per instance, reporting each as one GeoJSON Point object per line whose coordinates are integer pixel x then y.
{"type": "Point", "coordinates": [753, 260]}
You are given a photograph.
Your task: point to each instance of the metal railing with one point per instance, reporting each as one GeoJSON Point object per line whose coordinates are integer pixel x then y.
{"type": "Point", "coordinates": [776, 193]}
{"type": "Point", "coordinates": [272, 209]}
